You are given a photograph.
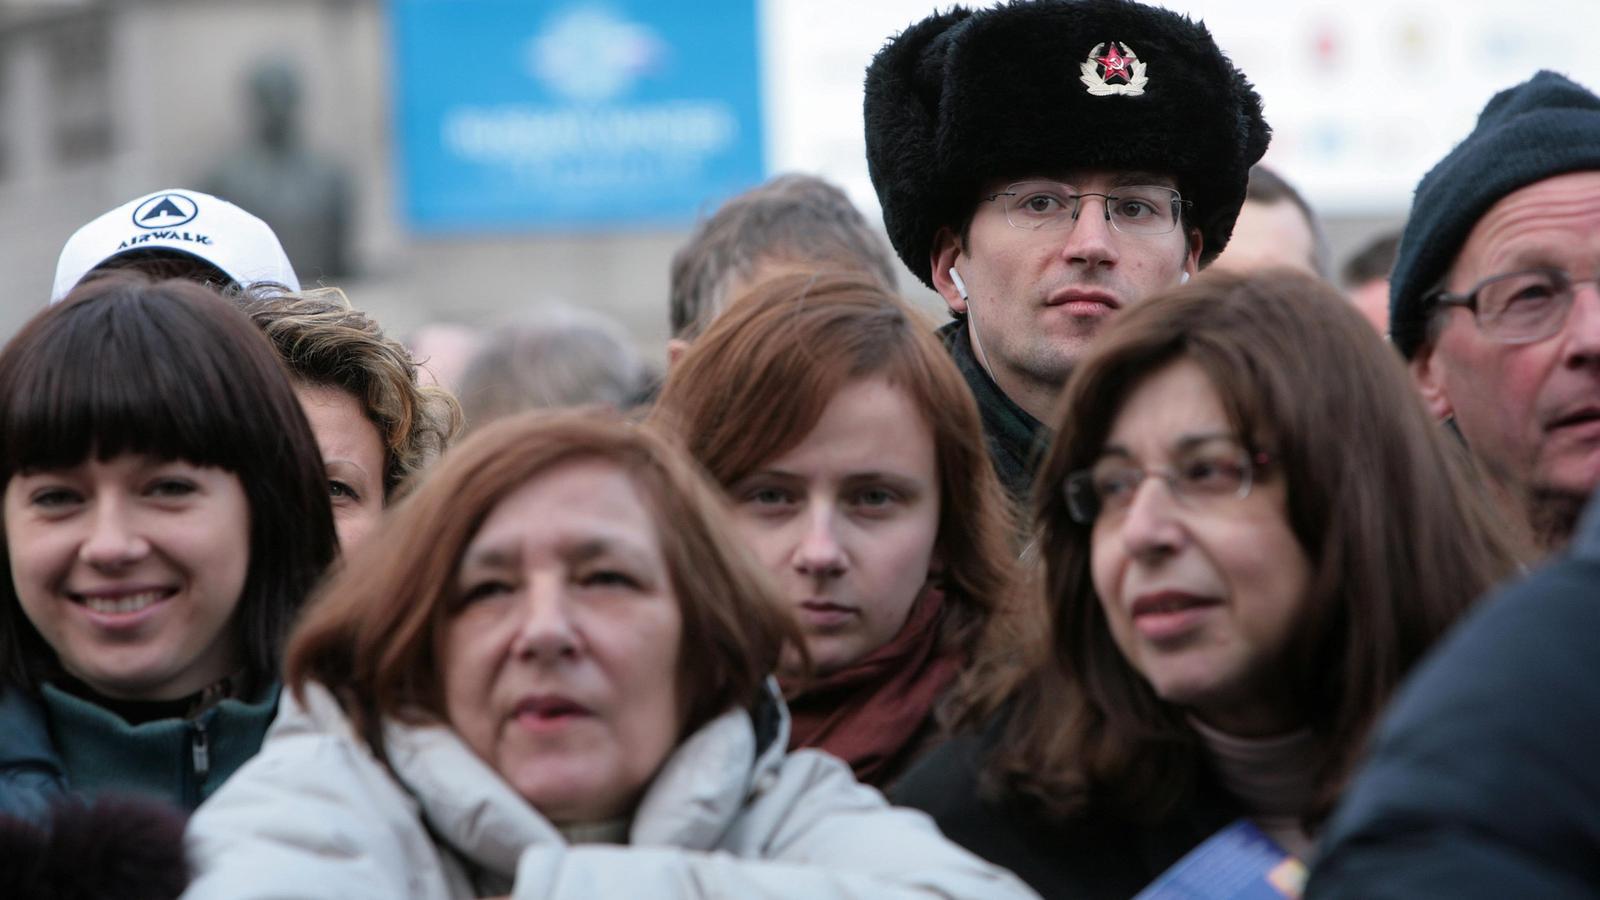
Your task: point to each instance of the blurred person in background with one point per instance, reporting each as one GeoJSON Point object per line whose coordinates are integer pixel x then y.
{"type": "Point", "coordinates": [443, 350]}
{"type": "Point", "coordinates": [554, 357]}
{"type": "Point", "coordinates": [1366, 278]}
{"type": "Point", "coordinates": [1495, 298]}
{"type": "Point", "coordinates": [853, 456]}
{"type": "Point", "coordinates": [1276, 227]}
{"type": "Point", "coordinates": [1044, 165]}
{"type": "Point", "coordinates": [547, 676]}
{"type": "Point", "coordinates": [375, 424]}
{"type": "Point", "coordinates": [176, 233]}
{"type": "Point", "coordinates": [1252, 530]}
{"type": "Point", "coordinates": [788, 222]}
{"type": "Point", "coordinates": [1482, 780]}
{"type": "Point", "coordinates": [165, 517]}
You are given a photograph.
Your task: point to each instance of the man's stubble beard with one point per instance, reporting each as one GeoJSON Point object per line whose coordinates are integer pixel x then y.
{"type": "Point", "coordinates": [1553, 515]}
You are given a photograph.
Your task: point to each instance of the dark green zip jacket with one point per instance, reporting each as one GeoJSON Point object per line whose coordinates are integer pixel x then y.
{"type": "Point", "coordinates": [55, 743]}
{"type": "Point", "coordinates": [1016, 440]}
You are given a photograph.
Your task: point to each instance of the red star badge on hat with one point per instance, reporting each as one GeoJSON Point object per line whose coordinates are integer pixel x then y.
{"type": "Point", "coordinates": [1115, 64]}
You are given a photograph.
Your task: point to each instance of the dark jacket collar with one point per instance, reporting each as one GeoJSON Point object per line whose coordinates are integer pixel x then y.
{"type": "Point", "coordinates": [1016, 439]}
{"type": "Point", "coordinates": [1587, 543]}
{"type": "Point", "coordinates": [31, 771]}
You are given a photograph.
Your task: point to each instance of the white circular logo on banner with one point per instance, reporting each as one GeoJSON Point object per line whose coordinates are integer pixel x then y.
{"type": "Point", "coordinates": [589, 54]}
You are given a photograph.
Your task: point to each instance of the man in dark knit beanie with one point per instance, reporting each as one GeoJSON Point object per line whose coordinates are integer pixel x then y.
{"type": "Point", "coordinates": [1494, 299]}
{"type": "Point", "coordinates": [1044, 164]}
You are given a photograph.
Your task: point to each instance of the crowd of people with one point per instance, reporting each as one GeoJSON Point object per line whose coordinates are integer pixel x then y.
{"type": "Point", "coordinates": [1166, 568]}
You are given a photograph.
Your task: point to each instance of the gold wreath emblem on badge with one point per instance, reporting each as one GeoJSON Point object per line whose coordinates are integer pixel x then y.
{"type": "Point", "coordinates": [1117, 62]}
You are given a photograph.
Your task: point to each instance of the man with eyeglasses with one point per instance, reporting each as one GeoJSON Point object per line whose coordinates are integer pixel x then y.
{"type": "Point", "coordinates": [1043, 165]}
{"type": "Point", "coordinates": [1494, 298]}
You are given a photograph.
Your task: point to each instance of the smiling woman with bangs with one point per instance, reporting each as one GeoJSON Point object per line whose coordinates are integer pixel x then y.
{"type": "Point", "coordinates": [165, 515]}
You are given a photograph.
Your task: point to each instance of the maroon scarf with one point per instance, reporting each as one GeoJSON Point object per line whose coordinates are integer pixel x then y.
{"type": "Point", "coordinates": [870, 714]}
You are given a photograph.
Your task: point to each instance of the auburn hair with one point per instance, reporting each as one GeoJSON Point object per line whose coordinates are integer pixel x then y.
{"type": "Point", "coordinates": [1399, 541]}
{"type": "Point", "coordinates": [759, 379]}
{"type": "Point", "coordinates": [372, 636]}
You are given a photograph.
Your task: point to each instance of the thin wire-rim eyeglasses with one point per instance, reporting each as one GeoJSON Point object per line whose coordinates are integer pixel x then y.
{"type": "Point", "coordinates": [1085, 505]}
{"type": "Point", "coordinates": [1068, 196]}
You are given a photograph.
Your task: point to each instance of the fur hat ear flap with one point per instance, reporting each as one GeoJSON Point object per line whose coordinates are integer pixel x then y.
{"type": "Point", "coordinates": [904, 94]}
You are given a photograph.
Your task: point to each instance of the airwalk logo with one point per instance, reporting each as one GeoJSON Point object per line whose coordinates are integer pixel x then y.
{"type": "Point", "coordinates": [165, 211]}
{"type": "Point", "coordinates": [159, 216]}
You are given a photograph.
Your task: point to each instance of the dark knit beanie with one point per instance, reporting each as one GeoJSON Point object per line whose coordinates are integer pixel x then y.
{"type": "Point", "coordinates": [1544, 127]}
{"type": "Point", "coordinates": [1038, 86]}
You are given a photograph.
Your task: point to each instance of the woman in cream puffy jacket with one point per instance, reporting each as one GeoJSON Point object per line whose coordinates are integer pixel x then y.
{"type": "Point", "coordinates": [546, 677]}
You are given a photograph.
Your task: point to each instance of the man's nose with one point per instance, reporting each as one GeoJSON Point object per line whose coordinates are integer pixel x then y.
{"type": "Point", "coordinates": [1090, 241]}
{"type": "Point", "coordinates": [1583, 325]}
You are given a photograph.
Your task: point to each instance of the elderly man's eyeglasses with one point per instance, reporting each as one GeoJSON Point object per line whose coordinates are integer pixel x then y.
{"type": "Point", "coordinates": [1517, 307]}
{"type": "Point", "coordinates": [1141, 209]}
{"type": "Point", "coordinates": [1201, 475]}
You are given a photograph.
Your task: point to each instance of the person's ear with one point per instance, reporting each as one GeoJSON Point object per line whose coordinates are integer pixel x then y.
{"type": "Point", "coordinates": [946, 255]}
{"type": "Point", "coordinates": [1191, 263]}
{"type": "Point", "coordinates": [1428, 374]}
{"type": "Point", "coordinates": [676, 348]}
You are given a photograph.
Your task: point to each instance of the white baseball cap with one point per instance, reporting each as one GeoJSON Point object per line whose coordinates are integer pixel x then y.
{"type": "Point", "coordinates": [200, 225]}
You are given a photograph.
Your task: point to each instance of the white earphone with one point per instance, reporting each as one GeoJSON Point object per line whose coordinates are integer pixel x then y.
{"type": "Point", "coordinates": [972, 326]}
{"type": "Point", "coordinates": [961, 286]}
{"type": "Point", "coordinates": [1183, 277]}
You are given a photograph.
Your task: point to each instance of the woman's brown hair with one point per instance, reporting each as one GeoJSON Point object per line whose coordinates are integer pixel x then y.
{"type": "Point", "coordinates": [328, 343]}
{"type": "Point", "coordinates": [757, 382]}
{"type": "Point", "coordinates": [371, 635]}
{"type": "Point", "coordinates": [1400, 542]}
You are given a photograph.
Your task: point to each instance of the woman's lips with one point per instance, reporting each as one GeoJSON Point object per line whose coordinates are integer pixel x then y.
{"type": "Point", "coordinates": [1169, 615]}
{"type": "Point", "coordinates": [121, 607]}
{"type": "Point", "coordinates": [825, 614]}
{"type": "Point", "coordinates": [545, 713]}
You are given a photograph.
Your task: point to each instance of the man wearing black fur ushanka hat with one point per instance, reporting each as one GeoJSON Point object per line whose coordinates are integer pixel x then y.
{"type": "Point", "coordinates": [1044, 164]}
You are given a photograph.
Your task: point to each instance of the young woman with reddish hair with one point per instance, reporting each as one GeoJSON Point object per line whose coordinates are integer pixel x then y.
{"type": "Point", "coordinates": [852, 453]}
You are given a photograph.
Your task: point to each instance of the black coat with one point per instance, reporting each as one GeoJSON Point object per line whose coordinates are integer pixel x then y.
{"type": "Point", "coordinates": [1484, 780]}
{"type": "Point", "coordinates": [1016, 440]}
{"type": "Point", "coordinates": [1088, 857]}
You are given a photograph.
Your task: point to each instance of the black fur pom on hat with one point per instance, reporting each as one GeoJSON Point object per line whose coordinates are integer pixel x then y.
{"type": "Point", "coordinates": [130, 848]}
{"type": "Point", "coordinates": [1039, 86]}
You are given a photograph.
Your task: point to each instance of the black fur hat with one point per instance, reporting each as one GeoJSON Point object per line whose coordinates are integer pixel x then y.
{"type": "Point", "coordinates": [126, 847]}
{"type": "Point", "coordinates": [1025, 89]}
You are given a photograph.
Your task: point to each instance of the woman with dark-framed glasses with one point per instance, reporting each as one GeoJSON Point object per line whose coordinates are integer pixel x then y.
{"type": "Point", "coordinates": [1249, 531]}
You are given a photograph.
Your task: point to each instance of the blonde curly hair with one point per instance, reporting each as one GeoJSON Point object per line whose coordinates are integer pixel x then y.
{"type": "Point", "coordinates": [325, 341]}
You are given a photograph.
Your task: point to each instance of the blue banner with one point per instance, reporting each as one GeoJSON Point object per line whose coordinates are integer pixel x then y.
{"type": "Point", "coordinates": [573, 114]}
